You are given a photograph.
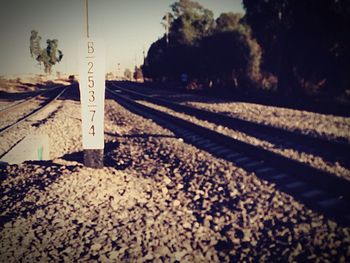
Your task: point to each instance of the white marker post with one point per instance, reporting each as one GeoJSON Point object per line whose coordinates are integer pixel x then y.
{"type": "Point", "coordinates": [92, 96]}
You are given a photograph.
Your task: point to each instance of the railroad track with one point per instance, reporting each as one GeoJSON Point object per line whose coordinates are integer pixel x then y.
{"type": "Point", "coordinates": [27, 99]}
{"type": "Point", "coordinates": [51, 96]}
{"type": "Point", "coordinates": [333, 151]}
{"type": "Point", "coordinates": [319, 190]}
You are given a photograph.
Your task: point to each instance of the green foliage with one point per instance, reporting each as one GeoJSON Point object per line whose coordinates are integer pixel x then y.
{"type": "Point", "coordinates": [300, 46]}
{"type": "Point", "coordinates": [154, 66]}
{"type": "Point", "coordinates": [229, 22]}
{"type": "Point", "coordinates": [190, 22]}
{"type": "Point", "coordinates": [251, 56]}
{"type": "Point", "coordinates": [127, 74]}
{"type": "Point", "coordinates": [306, 43]}
{"type": "Point", "coordinates": [35, 48]}
{"type": "Point", "coordinates": [231, 56]}
{"type": "Point", "coordinates": [49, 56]}
{"type": "Point", "coordinates": [206, 49]}
{"type": "Point", "coordinates": [138, 74]}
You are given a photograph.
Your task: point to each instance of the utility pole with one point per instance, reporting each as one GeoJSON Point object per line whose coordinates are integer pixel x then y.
{"type": "Point", "coordinates": [167, 28]}
{"type": "Point", "coordinates": [166, 24]}
{"type": "Point", "coordinates": [118, 70]}
{"type": "Point", "coordinates": [143, 53]}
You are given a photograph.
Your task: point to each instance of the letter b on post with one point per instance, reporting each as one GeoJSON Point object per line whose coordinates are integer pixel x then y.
{"type": "Point", "coordinates": [91, 49]}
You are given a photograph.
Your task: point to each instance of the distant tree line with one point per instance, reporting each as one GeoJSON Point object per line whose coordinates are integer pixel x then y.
{"type": "Point", "coordinates": [207, 50]}
{"type": "Point", "coordinates": [284, 45]}
{"type": "Point", "coordinates": [306, 44]}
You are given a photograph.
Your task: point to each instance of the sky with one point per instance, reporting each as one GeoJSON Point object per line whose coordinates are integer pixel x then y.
{"type": "Point", "coordinates": [128, 27]}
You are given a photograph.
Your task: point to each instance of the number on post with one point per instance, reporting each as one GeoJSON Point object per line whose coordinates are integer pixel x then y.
{"type": "Point", "coordinates": [90, 64]}
{"type": "Point", "coordinates": [92, 115]}
{"type": "Point", "coordinates": [91, 82]}
{"type": "Point", "coordinates": [92, 96]}
{"type": "Point", "coordinates": [92, 130]}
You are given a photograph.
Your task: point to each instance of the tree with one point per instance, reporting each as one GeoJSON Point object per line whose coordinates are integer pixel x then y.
{"type": "Point", "coordinates": [138, 74]}
{"type": "Point", "coordinates": [231, 57]}
{"type": "Point", "coordinates": [127, 74]}
{"type": "Point", "coordinates": [204, 49]}
{"type": "Point", "coordinates": [154, 66]}
{"type": "Point", "coordinates": [109, 76]}
{"type": "Point", "coordinates": [191, 22]}
{"type": "Point", "coordinates": [166, 22]}
{"type": "Point", "coordinates": [228, 22]}
{"type": "Point", "coordinates": [49, 56]}
{"type": "Point", "coordinates": [35, 48]}
{"type": "Point", "coordinates": [232, 28]}
{"type": "Point", "coordinates": [307, 43]}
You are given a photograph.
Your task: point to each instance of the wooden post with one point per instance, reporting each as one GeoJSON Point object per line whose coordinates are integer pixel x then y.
{"type": "Point", "coordinates": [93, 158]}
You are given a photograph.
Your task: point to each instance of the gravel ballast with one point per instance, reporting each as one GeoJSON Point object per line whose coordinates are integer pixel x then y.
{"type": "Point", "coordinates": [327, 126]}
{"type": "Point", "coordinates": [314, 124]}
{"type": "Point", "coordinates": [308, 158]}
{"type": "Point", "coordinates": [157, 199]}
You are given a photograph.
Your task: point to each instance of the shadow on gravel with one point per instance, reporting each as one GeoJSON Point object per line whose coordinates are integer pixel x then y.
{"type": "Point", "coordinates": [72, 93]}
{"type": "Point", "coordinates": [262, 170]}
{"type": "Point", "coordinates": [16, 96]}
{"type": "Point", "coordinates": [74, 157]}
{"type": "Point", "coordinates": [51, 116]}
{"type": "Point", "coordinates": [13, 191]}
{"type": "Point", "coordinates": [25, 90]}
{"type": "Point", "coordinates": [322, 104]}
{"type": "Point", "coordinates": [143, 135]}
{"type": "Point", "coordinates": [111, 157]}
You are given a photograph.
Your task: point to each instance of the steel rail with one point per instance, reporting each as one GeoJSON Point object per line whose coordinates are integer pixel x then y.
{"type": "Point", "coordinates": [323, 191]}
{"type": "Point", "coordinates": [334, 150]}
{"type": "Point", "coordinates": [35, 111]}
